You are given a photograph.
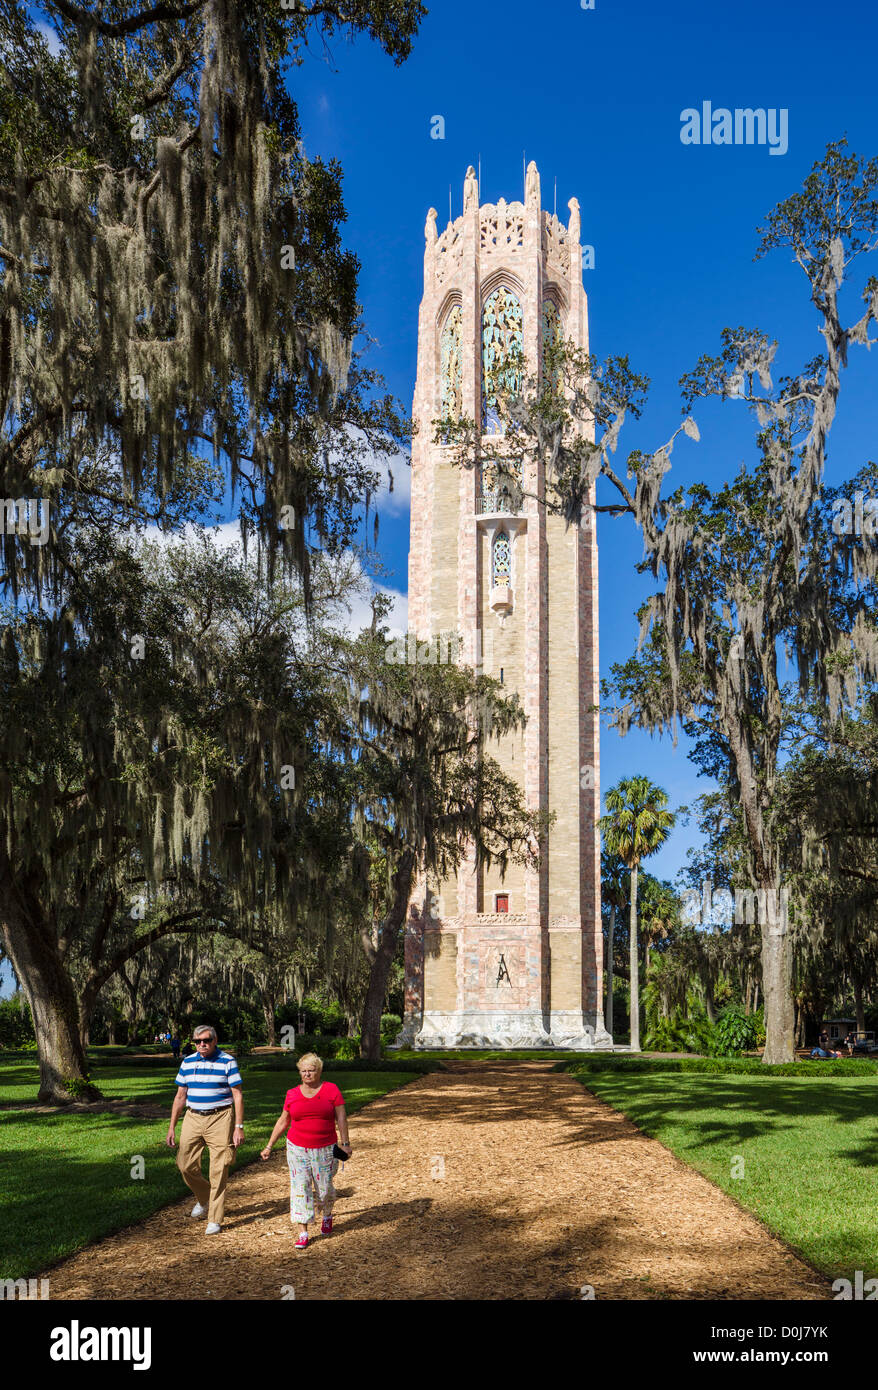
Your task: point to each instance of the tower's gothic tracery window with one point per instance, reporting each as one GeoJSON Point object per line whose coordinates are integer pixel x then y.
{"type": "Point", "coordinates": [501, 561]}
{"type": "Point", "coordinates": [451, 365]}
{"type": "Point", "coordinates": [502, 348]}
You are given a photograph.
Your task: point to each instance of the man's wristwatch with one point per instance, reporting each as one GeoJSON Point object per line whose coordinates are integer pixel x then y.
{"type": "Point", "coordinates": [239, 1126]}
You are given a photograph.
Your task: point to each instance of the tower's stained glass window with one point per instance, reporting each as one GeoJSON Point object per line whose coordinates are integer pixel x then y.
{"type": "Point", "coordinates": [501, 560]}
{"type": "Point", "coordinates": [451, 365]}
{"type": "Point", "coordinates": [551, 335]}
{"type": "Point", "coordinates": [502, 348]}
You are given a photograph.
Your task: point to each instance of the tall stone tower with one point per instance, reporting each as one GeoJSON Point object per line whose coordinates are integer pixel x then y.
{"type": "Point", "coordinates": [515, 962]}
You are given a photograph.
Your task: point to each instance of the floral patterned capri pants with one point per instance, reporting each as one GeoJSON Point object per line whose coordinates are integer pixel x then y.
{"type": "Point", "coordinates": [310, 1169]}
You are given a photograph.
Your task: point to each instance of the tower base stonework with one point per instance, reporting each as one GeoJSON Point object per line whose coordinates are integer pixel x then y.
{"type": "Point", "coordinates": [493, 1027]}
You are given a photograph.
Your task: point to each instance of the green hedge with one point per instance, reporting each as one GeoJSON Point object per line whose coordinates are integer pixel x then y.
{"type": "Point", "coordinates": [273, 1062]}
{"type": "Point", "coordinates": [721, 1066]}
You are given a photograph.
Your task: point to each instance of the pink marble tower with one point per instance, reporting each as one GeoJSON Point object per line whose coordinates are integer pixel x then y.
{"type": "Point", "coordinates": [515, 962]}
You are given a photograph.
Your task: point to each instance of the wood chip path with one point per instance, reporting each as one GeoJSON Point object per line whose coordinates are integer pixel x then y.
{"type": "Point", "coordinates": [487, 1181]}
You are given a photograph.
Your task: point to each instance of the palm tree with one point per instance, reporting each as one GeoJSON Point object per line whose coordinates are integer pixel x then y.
{"type": "Point", "coordinates": [614, 891]}
{"type": "Point", "coordinates": [659, 914]}
{"type": "Point", "coordinates": [636, 825]}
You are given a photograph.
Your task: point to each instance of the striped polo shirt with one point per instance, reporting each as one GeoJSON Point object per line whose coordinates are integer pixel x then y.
{"type": "Point", "coordinates": [209, 1079]}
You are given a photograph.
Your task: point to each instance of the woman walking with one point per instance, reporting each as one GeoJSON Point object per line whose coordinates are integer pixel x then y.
{"type": "Point", "coordinates": [312, 1111]}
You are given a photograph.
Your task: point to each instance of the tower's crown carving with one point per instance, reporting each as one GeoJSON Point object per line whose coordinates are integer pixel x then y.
{"type": "Point", "coordinates": [501, 228]}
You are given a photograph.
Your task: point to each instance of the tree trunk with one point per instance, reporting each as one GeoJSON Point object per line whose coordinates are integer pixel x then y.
{"type": "Point", "coordinates": [858, 1004]}
{"type": "Point", "coordinates": [111, 1031]}
{"type": "Point", "coordinates": [52, 998]}
{"type": "Point", "coordinates": [709, 1006]}
{"type": "Point", "coordinates": [634, 966]}
{"type": "Point", "coordinates": [87, 1001]}
{"type": "Point", "coordinates": [379, 974]}
{"type": "Point", "coordinates": [269, 1012]}
{"type": "Point", "coordinates": [777, 978]}
{"type": "Point", "coordinates": [608, 1013]}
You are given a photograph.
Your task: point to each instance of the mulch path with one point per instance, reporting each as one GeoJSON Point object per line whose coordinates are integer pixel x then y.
{"type": "Point", "coordinates": [486, 1181]}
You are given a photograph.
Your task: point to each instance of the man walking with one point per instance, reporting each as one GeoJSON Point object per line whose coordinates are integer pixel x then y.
{"type": "Point", "coordinates": [210, 1084]}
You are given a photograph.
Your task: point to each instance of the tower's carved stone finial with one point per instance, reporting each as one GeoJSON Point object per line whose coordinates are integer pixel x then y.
{"type": "Point", "coordinates": [470, 190]}
{"type": "Point", "coordinates": [430, 226]}
{"type": "Point", "coordinates": [532, 186]}
{"type": "Point", "coordinates": [575, 226]}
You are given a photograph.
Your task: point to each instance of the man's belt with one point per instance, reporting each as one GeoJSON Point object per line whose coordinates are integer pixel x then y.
{"type": "Point", "coordinates": [215, 1111]}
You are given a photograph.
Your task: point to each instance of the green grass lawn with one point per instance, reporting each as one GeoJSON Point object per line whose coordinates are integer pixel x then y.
{"type": "Point", "coordinates": [65, 1180]}
{"type": "Point", "coordinates": [806, 1149]}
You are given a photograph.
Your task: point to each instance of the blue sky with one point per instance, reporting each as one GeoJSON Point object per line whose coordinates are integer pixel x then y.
{"type": "Point", "coordinates": [595, 97]}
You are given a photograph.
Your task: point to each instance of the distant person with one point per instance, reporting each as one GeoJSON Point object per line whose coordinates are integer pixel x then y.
{"type": "Point", "coordinates": [210, 1085]}
{"type": "Point", "coordinates": [175, 1046]}
{"type": "Point", "coordinates": [312, 1111]}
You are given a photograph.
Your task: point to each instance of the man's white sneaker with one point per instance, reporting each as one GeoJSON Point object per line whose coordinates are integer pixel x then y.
{"type": "Point", "coordinates": [212, 1230]}
{"type": "Point", "coordinates": [198, 1210]}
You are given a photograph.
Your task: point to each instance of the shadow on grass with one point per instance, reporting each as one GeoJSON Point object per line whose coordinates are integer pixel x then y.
{"type": "Point", "coordinates": [652, 1101]}
{"type": "Point", "coordinates": [69, 1178]}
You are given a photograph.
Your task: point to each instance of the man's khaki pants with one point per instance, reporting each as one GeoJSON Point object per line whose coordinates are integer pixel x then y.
{"type": "Point", "coordinates": [216, 1132]}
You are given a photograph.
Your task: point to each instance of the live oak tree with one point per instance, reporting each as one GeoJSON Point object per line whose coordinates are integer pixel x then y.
{"type": "Point", "coordinates": [174, 291]}
{"type": "Point", "coordinates": [829, 794]}
{"type": "Point", "coordinates": [173, 274]}
{"type": "Point", "coordinates": [179, 769]}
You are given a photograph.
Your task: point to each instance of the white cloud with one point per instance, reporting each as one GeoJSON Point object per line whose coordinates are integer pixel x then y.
{"type": "Point", "coordinates": [399, 501]}
{"type": "Point", "coordinates": [50, 36]}
{"type": "Point", "coordinates": [225, 536]}
{"type": "Point", "coordinates": [360, 613]}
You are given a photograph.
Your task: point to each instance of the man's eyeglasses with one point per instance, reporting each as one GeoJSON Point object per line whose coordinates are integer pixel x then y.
{"type": "Point", "coordinates": [202, 1042]}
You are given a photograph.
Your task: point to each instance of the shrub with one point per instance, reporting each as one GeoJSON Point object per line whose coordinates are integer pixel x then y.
{"type": "Point", "coordinates": [390, 1026]}
{"type": "Point", "coordinates": [16, 1024]}
{"type": "Point", "coordinates": [327, 1020]}
{"type": "Point", "coordinates": [667, 1035]}
{"type": "Point", "coordinates": [734, 1032]}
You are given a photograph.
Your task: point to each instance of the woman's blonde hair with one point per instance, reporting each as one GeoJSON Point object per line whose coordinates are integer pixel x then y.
{"type": "Point", "coordinates": [315, 1061]}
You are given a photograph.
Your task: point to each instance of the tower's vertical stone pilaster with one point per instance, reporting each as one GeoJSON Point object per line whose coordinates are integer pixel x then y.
{"type": "Point", "coordinates": [513, 962]}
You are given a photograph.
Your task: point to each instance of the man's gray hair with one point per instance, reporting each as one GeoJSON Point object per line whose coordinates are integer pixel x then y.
{"type": "Point", "coordinates": [204, 1028]}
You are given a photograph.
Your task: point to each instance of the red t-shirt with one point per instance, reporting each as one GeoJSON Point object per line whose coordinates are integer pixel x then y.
{"type": "Point", "coordinates": [312, 1122]}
